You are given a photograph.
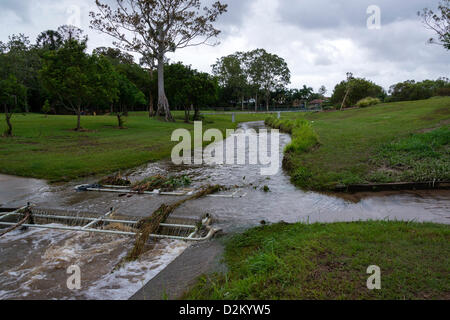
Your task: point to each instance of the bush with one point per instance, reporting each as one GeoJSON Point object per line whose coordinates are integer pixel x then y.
{"type": "Point", "coordinates": [304, 138]}
{"type": "Point", "coordinates": [443, 92]}
{"type": "Point", "coordinates": [367, 102]}
{"type": "Point", "coordinates": [360, 88]}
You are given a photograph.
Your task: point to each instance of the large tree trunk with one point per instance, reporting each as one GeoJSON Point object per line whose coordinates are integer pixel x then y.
{"type": "Point", "coordinates": [256, 102]}
{"type": "Point", "coordinates": [8, 132]}
{"type": "Point", "coordinates": [267, 101]}
{"type": "Point", "coordinates": [242, 103]}
{"type": "Point", "coordinates": [151, 109]}
{"type": "Point", "coordinates": [163, 103]}
{"type": "Point", "coordinates": [119, 120]}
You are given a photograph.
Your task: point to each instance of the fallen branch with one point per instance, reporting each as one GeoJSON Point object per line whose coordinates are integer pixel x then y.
{"type": "Point", "coordinates": [27, 217]}
{"type": "Point", "coordinates": [150, 225]}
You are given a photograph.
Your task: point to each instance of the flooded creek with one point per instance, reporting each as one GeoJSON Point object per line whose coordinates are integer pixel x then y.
{"type": "Point", "coordinates": [33, 263]}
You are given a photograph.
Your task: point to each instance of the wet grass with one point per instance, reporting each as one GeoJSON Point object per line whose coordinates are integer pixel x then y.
{"type": "Point", "coordinates": [420, 157]}
{"type": "Point", "coordinates": [48, 148]}
{"type": "Point", "coordinates": [360, 146]}
{"type": "Point", "coordinates": [330, 261]}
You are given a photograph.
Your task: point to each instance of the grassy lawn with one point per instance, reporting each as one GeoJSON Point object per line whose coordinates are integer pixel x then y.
{"type": "Point", "coordinates": [385, 143]}
{"type": "Point", "coordinates": [330, 261]}
{"type": "Point", "coordinates": [48, 148]}
{"type": "Point", "coordinates": [357, 146]}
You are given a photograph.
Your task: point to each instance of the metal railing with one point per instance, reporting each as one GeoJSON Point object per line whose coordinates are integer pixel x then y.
{"type": "Point", "coordinates": [89, 225]}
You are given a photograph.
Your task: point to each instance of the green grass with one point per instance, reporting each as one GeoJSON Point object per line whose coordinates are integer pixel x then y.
{"type": "Point", "coordinates": [357, 146]}
{"type": "Point", "coordinates": [353, 143]}
{"type": "Point", "coordinates": [48, 148]}
{"type": "Point", "coordinates": [420, 157]}
{"type": "Point", "coordinates": [304, 138]}
{"type": "Point", "coordinates": [329, 261]}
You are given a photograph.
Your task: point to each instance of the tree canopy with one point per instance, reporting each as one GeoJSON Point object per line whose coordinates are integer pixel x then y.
{"type": "Point", "coordinates": [439, 22]}
{"type": "Point", "coordinates": [156, 27]}
{"type": "Point", "coordinates": [354, 89]}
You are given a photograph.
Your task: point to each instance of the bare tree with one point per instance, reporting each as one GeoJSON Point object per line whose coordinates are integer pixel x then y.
{"type": "Point", "coordinates": [439, 22]}
{"type": "Point", "coordinates": [156, 27]}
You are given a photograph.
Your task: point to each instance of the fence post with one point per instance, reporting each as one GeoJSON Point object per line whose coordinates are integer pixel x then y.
{"type": "Point", "coordinates": [233, 117]}
{"type": "Point", "coordinates": [279, 115]}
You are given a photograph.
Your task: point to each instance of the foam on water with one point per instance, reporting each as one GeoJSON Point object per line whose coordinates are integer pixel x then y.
{"type": "Point", "coordinates": [34, 264]}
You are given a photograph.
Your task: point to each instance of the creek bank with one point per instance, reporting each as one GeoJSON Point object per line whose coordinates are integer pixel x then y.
{"type": "Point", "coordinates": [416, 162]}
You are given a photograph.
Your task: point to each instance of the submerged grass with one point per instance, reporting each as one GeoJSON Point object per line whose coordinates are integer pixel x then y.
{"type": "Point", "coordinates": [329, 261]}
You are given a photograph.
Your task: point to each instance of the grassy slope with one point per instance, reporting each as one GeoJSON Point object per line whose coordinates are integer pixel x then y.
{"type": "Point", "coordinates": [329, 261]}
{"type": "Point", "coordinates": [47, 147]}
{"type": "Point", "coordinates": [352, 140]}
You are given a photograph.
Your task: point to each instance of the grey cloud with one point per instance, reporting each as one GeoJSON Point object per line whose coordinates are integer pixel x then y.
{"type": "Point", "coordinates": [324, 14]}
{"type": "Point", "coordinates": [19, 7]}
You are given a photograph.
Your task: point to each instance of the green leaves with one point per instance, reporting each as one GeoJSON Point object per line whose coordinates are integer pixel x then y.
{"type": "Point", "coordinates": [13, 95]}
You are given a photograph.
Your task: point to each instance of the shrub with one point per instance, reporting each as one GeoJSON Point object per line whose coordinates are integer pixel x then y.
{"type": "Point", "coordinates": [443, 92]}
{"type": "Point", "coordinates": [304, 138]}
{"type": "Point", "coordinates": [367, 102]}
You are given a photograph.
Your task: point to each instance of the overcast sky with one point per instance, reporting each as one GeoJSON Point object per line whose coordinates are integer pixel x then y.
{"type": "Point", "coordinates": [321, 40]}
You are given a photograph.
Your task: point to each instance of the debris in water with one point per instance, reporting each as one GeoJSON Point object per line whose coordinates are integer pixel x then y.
{"type": "Point", "coordinates": [150, 225]}
{"type": "Point", "coordinates": [115, 180]}
{"type": "Point", "coordinates": [159, 182]}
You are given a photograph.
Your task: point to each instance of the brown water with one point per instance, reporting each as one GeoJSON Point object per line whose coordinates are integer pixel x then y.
{"type": "Point", "coordinates": [33, 264]}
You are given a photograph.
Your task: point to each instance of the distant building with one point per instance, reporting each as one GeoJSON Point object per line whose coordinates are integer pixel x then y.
{"type": "Point", "coordinates": [317, 103]}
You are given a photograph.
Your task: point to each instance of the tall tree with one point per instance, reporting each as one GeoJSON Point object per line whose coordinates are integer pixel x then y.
{"type": "Point", "coordinates": [439, 22]}
{"type": "Point", "coordinates": [69, 33]}
{"type": "Point", "coordinates": [156, 27]}
{"type": "Point", "coordinates": [322, 91]}
{"type": "Point", "coordinates": [128, 96]}
{"type": "Point", "coordinates": [114, 55]}
{"type": "Point", "coordinates": [189, 88]}
{"type": "Point", "coordinates": [268, 72]}
{"type": "Point", "coordinates": [232, 75]}
{"type": "Point", "coordinates": [13, 98]}
{"type": "Point", "coordinates": [350, 91]}
{"type": "Point", "coordinates": [76, 80]}
{"type": "Point", "coordinates": [21, 59]}
{"type": "Point", "coordinates": [49, 40]}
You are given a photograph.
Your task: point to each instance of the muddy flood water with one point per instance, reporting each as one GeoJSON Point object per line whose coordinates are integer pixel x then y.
{"type": "Point", "coordinates": [33, 263]}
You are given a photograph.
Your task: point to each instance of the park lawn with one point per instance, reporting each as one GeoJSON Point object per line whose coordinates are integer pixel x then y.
{"type": "Point", "coordinates": [378, 144]}
{"type": "Point", "coordinates": [48, 148]}
{"type": "Point", "coordinates": [330, 261]}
